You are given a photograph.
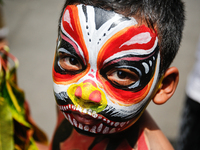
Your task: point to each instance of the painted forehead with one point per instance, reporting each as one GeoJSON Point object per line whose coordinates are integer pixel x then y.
{"type": "Point", "coordinates": [91, 31]}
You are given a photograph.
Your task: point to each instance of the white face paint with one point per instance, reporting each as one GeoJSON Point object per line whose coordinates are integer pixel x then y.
{"type": "Point", "coordinates": [105, 69]}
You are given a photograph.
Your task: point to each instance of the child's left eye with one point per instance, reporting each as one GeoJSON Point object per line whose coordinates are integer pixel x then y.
{"type": "Point", "coordinates": [122, 77]}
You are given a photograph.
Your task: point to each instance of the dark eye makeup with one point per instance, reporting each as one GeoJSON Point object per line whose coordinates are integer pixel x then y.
{"type": "Point", "coordinates": [122, 77]}
{"type": "Point", "coordinates": [69, 63]}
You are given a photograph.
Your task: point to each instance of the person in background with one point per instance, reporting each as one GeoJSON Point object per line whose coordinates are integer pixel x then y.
{"type": "Point", "coordinates": [189, 136]}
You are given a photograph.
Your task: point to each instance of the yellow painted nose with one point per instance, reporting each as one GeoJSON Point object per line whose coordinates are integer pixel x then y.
{"type": "Point", "coordinates": [87, 95]}
{"type": "Point", "coordinates": [88, 92]}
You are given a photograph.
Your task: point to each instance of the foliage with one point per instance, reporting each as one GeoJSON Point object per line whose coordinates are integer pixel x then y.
{"type": "Point", "coordinates": [17, 130]}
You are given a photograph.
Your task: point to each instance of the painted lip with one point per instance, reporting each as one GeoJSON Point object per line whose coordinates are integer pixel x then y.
{"type": "Point", "coordinates": [88, 120]}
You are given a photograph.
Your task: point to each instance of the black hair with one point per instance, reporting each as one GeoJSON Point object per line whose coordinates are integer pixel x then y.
{"type": "Point", "coordinates": [165, 16]}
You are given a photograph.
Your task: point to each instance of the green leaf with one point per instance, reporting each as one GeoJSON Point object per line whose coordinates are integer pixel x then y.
{"type": "Point", "coordinates": [17, 130]}
{"type": "Point", "coordinates": [6, 126]}
{"type": "Point", "coordinates": [10, 97]}
{"type": "Point", "coordinates": [32, 145]}
{"type": "Point", "coordinates": [15, 98]}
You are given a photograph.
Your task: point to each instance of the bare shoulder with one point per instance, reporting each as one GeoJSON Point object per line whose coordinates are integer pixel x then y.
{"type": "Point", "coordinates": [153, 136]}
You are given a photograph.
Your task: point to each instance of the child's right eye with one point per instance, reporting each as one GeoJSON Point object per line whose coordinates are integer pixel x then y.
{"type": "Point", "coordinates": [122, 77]}
{"type": "Point", "coordinates": [69, 63]}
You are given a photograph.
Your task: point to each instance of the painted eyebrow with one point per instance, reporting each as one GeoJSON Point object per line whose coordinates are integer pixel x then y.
{"type": "Point", "coordinates": [128, 58]}
{"type": "Point", "coordinates": [66, 39]}
{"type": "Point", "coordinates": [63, 50]}
{"type": "Point", "coordinates": [74, 48]}
{"type": "Point", "coordinates": [136, 52]}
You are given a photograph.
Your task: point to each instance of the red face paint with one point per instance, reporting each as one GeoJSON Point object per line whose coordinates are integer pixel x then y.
{"type": "Point", "coordinates": [105, 69]}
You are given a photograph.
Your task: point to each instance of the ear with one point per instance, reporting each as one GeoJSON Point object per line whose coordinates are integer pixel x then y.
{"type": "Point", "coordinates": [168, 86]}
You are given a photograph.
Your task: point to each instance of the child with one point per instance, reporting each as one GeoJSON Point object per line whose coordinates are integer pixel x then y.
{"type": "Point", "coordinates": [112, 58]}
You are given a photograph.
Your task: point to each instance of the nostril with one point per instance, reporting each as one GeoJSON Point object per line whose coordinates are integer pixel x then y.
{"type": "Point", "coordinates": [95, 96]}
{"type": "Point", "coordinates": [78, 92]}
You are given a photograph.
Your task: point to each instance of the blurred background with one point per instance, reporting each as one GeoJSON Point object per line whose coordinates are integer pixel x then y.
{"type": "Point", "coordinates": [32, 38]}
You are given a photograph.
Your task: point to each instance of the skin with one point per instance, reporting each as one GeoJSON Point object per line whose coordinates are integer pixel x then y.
{"type": "Point", "coordinates": [143, 134]}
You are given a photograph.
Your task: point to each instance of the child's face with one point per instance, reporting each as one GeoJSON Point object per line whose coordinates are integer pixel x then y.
{"type": "Point", "coordinates": [105, 69]}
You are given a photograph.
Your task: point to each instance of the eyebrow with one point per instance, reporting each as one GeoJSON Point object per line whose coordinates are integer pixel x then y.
{"type": "Point", "coordinates": [63, 50]}
{"type": "Point", "coordinates": [66, 39]}
{"type": "Point", "coordinates": [132, 58]}
{"type": "Point", "coordinates": [139, 53]}
{"type": "Point", "coordinates": [72, 48]}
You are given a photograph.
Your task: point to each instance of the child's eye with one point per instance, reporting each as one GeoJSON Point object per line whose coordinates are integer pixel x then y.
{"type": "Point", "coordinates": [69, 63]}
{"type": "Point", "coordinates": [122, 77]}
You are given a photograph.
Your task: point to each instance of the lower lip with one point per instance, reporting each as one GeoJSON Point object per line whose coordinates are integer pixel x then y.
{"type": "Point", "coordinates": [85, 119]}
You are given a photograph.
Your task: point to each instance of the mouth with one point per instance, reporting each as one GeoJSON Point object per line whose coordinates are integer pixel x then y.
{"type": "Point", "coordinates": [88, 120]}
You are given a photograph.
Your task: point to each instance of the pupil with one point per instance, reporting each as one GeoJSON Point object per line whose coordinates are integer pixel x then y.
{"type": "Point", "coordinates": [73, 61]}
{"type": "Point", "coordinates": [121, 74]}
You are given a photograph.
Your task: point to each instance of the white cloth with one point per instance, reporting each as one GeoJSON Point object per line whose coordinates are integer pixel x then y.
{"type": "Point", "coordinates": [193, 82]}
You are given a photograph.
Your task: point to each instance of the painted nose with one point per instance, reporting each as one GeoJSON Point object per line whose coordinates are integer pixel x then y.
{"type": "Point", "coordinates": [88, 92]}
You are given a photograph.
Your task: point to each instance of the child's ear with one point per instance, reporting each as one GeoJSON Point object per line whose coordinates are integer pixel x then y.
{"type": "Point", "coordinates": [168, 86]}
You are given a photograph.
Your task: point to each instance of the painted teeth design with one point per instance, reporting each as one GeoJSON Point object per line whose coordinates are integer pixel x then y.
{"type": "Point", "coordinates": [69, 118]}
{"type": "Point", "coordinates": [99, 117]}
{"type": "Point", "coordinates": [122, 124]}
{"type": "Point", "coordinates": [80, 126]}
{"type": "Point", "coordinates": [111, 123]}
{"type": "Point", "coordinates": [86, 128]}
{"type": "Point", "coordinates": [105, 127]}
{"type": "Point", "coordinates": [99, 128]}
{"type": "Point", "coordinates": [93, 130]}
{"type": "Point", "coordinates": [116, 124]}
{"type": "Point", "coordinates": [75, 122]}
{"type": "Point", "coordinates": [94, 114]}
{"type": "Point", "coordinates": [112, 130]}
{"type": "Point", "coordinates": [85, 111]}
{"type": "Point", "coordinates": [65, 116]}
{"type": "Point", "coordinates": [90, 112]}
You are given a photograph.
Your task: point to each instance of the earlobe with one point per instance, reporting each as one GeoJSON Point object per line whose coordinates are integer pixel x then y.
{"type": "Point", "coordinates": [168, 86]}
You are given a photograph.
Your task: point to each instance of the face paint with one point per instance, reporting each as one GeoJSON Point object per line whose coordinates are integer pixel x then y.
{"type": "Point", "coordinates": [105, 69]}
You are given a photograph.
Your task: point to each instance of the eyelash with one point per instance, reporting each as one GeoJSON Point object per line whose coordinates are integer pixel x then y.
{"type": "Point", "coordinates": [121, 77]}
{"type": "Point", "coordinates": [69, 63]}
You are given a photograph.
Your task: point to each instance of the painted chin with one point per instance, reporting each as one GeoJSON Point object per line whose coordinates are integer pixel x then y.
{"type": "Point", "coordinates": [89, 121]}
